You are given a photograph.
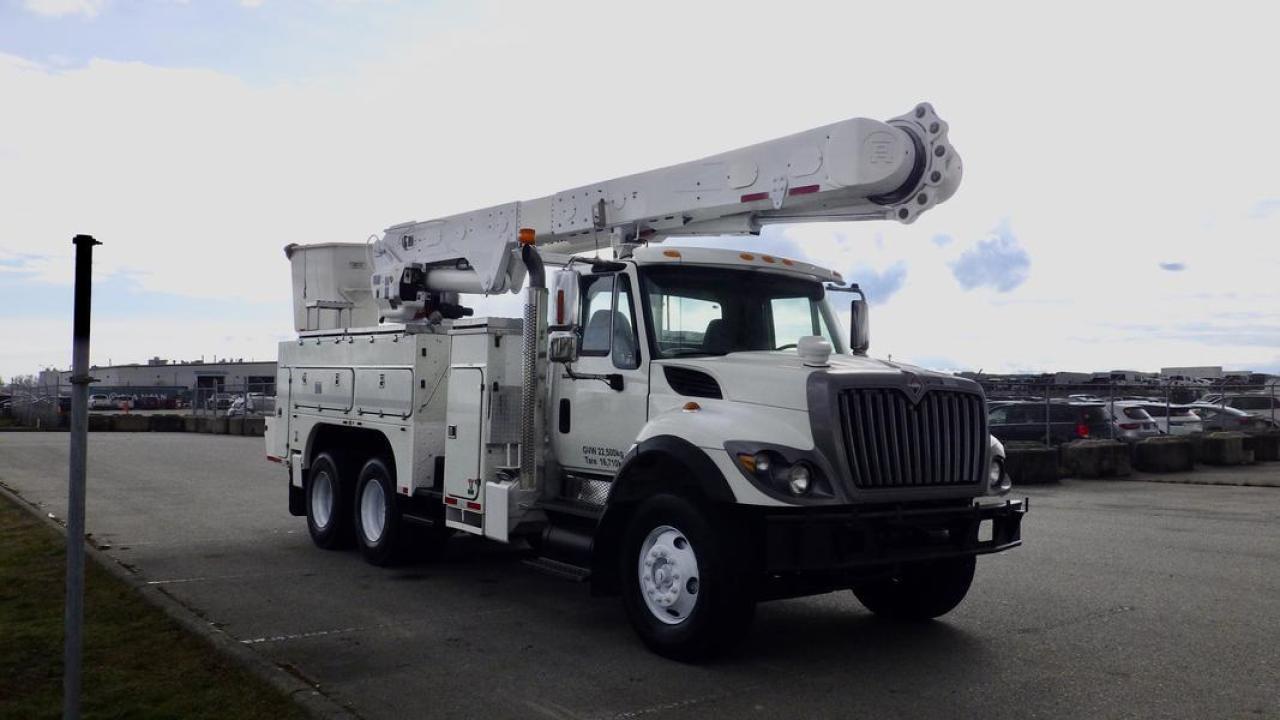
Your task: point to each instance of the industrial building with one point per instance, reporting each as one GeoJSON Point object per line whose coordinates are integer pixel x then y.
{"type": "Point", "coordinates": [166, 377]}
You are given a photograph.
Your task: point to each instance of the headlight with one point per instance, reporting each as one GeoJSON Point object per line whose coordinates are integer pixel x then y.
{"type": "Point", "coordinates": [772, 469]}
{"type": "Point", "coordinates": [798, 479]}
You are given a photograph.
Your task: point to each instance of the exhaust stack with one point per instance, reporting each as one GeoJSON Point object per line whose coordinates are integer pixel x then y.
{"type": "Point", "coordinates": [533, 337]}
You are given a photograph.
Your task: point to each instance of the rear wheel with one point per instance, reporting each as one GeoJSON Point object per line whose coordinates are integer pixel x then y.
{"type": "Point", "coordinates": [377, 514]}
{"type": "Point", "coordinates": [684, 589]}
{"type": "Point", "coordinates": [328, 515]}
{"type": "Point", "coordinates": [920, 590]}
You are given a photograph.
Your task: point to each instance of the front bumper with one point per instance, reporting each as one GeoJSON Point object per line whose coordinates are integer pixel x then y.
{"type": "Point", "coordinates": [815, 550]}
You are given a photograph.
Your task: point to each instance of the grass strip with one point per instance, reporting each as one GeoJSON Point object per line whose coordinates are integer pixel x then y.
{"type": "Point", "coordinates": [138, 662]}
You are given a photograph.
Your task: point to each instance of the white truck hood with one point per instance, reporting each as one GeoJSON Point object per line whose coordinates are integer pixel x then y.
{"type": "Point", "coordinates": [779, 379]}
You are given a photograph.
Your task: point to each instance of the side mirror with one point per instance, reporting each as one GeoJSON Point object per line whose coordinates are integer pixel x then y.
{"type": "Point", "coordinates": [563, 346]}
{"type": "Point", "coordinates": [859, 323]}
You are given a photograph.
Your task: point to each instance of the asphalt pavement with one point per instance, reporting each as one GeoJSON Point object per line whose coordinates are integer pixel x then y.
{"type": "Point", "coordinates": [1128, 599]}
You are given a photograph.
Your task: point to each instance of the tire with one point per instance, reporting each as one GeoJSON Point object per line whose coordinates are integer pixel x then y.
{"type": "Point", "coordinates": [327, 503]}
{"type": "Point", "coordinates": [920, 591]}
{"type": "Point", "coordinates": [376, 517]}
{"type": "Point", "coordinates": [694, 599]}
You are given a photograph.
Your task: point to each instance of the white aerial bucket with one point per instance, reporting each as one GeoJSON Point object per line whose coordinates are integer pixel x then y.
{"type": "Point", "coordinates": [331, 288]}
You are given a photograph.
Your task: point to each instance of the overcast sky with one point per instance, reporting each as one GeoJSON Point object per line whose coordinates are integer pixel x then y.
{"type": "Point", "coordinates": [1120, 206]}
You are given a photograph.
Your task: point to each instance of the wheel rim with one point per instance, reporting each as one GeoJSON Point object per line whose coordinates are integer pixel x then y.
{"type": "Point", "coordinates": [668, 571]}
{"type": "Point", "coordinates": [373, 511]}
{"type": "Point", "coordinates": [321, 499]}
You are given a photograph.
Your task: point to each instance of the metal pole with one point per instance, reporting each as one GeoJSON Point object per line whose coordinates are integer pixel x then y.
{"type": "Point", "coordinates": [1111, 409]}
{"type": "Point", "coordinates": [75, 501]}
{"type": "Point", "coordinates": [1168, 418]}
{"type": "Point", "coordinates": [1048, 437]}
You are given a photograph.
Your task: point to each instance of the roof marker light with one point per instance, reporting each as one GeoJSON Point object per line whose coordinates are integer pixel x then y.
{"type": "Point", "coordinates": [671, 253]}
{"type": "Point", "coordinates": [768, 258]}
{"type": "Point", "coordinates": [747, 256]}
{"type": "Point", "coordinates": [787, 262]}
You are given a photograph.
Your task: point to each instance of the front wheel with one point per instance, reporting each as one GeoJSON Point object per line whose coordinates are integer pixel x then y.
{"type": "Point", "coordinates": [921, 590]}
{"type": "Point", "coordinates": [377, 515]}
{"type": "Point", "coordinates": [684, 588]}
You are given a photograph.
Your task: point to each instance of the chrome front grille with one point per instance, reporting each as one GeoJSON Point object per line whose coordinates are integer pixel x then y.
{"type": "Point", "coordinates": [892, 442]}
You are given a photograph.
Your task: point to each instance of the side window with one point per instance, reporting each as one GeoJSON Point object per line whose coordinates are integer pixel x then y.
{"type": "Point", "coordinates": [1065, 413]}
{"type": "Point", "coordinates": [597, 311]}
{"type": "Point", "coordinates": [998, 416]}
{"type": "Point", "coordinates": [608, 321]}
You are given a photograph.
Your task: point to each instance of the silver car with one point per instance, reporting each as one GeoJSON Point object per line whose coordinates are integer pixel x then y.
{"type": "Point", "coordinates": [1219, 417]}
{"type": "Point", "coordinates": [1130, 421]}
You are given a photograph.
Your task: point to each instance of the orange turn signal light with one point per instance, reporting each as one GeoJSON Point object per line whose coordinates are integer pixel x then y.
{"type": "Point", "coordinates": [691, 407]}
{"type": "Point", "coordinates": [528, 236]}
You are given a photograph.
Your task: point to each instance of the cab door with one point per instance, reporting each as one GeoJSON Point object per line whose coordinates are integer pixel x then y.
{"type": "Point", "coordinates": [593, 425]}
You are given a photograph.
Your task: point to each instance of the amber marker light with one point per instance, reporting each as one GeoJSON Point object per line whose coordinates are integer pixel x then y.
{"type": "Point", "coordinates": [691, 407]}
{"type": "Point", "coordinates": [671, 253]}
{"type": "Point", "coordinates": [528, 236]}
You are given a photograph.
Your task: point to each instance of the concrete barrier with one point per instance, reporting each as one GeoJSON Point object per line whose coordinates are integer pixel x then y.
{"type": "Point", "coordinates": [1265, 446]}
{"type": "Point", "coordinates": [1225, 448]}
{"type": "Point", "coordinates": [99, 423]}
{"type": "Point", "coordinates": [1096, 459]}
{"type": "Point", "coordinates": [166, 423]}
{"type": "Point", "coordinates": [255, 426]}
{"type": "Point", "coordinates": [1164, 454]}
{"type": "Point", "coordinates": [130, 423]}
{"type": "Point", "coordinates": [190, 423]}
{"type": "Point", "coordinates": [1030, 463]}
{"type": "Point", "coordinates": [235, 426]}
{"type": "Point", "coordinates": [215, 425]}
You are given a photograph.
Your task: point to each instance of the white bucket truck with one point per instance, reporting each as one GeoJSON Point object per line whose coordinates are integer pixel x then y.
{"type": "Point", "coordinates": [686, 427]}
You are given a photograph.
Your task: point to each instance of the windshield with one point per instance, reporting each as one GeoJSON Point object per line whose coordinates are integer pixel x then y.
{"type": "Point", "coordinates": [714, 311]}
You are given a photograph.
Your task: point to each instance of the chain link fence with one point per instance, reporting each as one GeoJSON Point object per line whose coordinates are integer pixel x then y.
{"type": "Point", "coordinates": [248, 400]}
{"type": "Point", "coordinates": [1054, 413]}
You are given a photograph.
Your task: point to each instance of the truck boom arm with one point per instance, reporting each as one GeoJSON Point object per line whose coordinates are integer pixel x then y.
{"type": "Point", "coordinates": [857, 169]}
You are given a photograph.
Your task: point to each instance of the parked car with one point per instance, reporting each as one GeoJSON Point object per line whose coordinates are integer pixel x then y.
{"type": "Point", "coordinates": [123, 402]}
{"type": "Point", "coordinates": [219, 401]}
{"type": "Point", "coordinates": [1130, 421]}
{"type": "Point", "coordinates": [1219, 417]}
{"type": "Point", "coordinates": [1180, 421]}
{"type": "Point", "coordinates": [1025, 421]}
{"type": "Point", "coordinates": [252, 404]}
{"type": "Point", "coordinates": [100, 402]}
{"type": "Point", "coordinates": [1263, 407]}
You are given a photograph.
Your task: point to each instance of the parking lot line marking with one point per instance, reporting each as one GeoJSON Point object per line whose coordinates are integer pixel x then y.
{"type": "Point", "coordinates": [313, 633]}
{"type": "Point", "coordinates": [362, 628]}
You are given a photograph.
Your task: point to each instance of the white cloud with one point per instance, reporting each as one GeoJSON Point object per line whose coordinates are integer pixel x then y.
{"type": "Point", "coordinates": [1106, 162]}
{"type": "Point", "coordinates": [63, 8]}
